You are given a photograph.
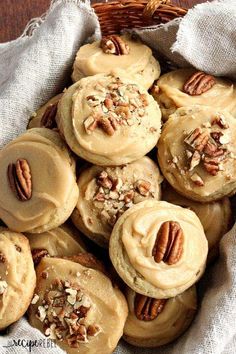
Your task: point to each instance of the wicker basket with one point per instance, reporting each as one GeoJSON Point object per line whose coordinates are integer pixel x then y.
{"type": "Point", "coordinates": [115, 16]}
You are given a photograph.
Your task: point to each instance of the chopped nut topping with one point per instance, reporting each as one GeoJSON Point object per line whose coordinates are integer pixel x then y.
{"type": "Point", "coordinates": [35, 299]}
{"type": "Point", "coordinates": [208, 147]}
{"type": "Point", "coordinates": [18, 248]}
{"type": "Point", "coordinates": [114, 45]}
{"type": "Point", "coordinates": [119, 105]}
{"type": "Point", "coordinates": [118, 195]}
{"type": "Point", "coordinates": [63, 312]}
{"type": "Point", "coordinates": [197, 180]}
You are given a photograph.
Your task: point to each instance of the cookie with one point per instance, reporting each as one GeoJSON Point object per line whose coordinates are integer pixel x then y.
{"type": "Point", "coordinates": [64, 240]}
{"type": "Point", "coordinates": [158, 249]}
{"type": "Point", "coordinates": [38, 184]}
{"type": "Point", "coordinates": [45, 116]}
{"type": "Point", "coordinates": [106, 192]}
{"type": "Point", "coordinates": [188, 87]}
{"type": "Point", "coordinates": [117, 52]}
{"type": "Point", "coordinates": [77, 307]}
{"type": "Point", "coordinates": [109, 120]}
{"type": "Point", "coordinates": [197, 153]}
{"type": "Point", "coordinates": [17, 276]}
{"type": "Point", "coordinates": [155, 322]}
{"type": "Point", "coordinates": [216, 217]}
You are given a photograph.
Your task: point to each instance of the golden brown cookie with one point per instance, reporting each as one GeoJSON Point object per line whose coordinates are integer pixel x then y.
{"type": "Point", "coordinates": [155, 322]}
{"type": "Point", "coordinates": [188, 87]}
{"type": "Point", "coordinates": [17, 276]}
{"type": "Point", "coordinates": [106, 192]}
{"type": "Point", "coordinates": [117, 52]}
{"type": "Point", "coordinates": [77, 307]}
{"type": "Point", "coordinates": [38, 184]}
{"type": "Point", "coordinates": [197, 153]}
{"type": "Point", "coordinates": [158, 249]}
{"type": "Point", "coordinates": [109, 120]}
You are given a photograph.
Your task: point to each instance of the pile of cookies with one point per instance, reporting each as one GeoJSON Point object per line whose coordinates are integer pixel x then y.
{"type": "Point", "coordinates": [80, 171]}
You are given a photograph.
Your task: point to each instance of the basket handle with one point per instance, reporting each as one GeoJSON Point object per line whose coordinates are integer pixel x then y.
{"type": "Point", "coordinates": [152, 6]}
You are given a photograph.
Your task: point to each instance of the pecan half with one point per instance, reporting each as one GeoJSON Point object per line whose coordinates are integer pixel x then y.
{"type": "Point", "coordinates": [19, 178]}
{"type": "Point", "coordinates": [198, 83]}
{"type": "Point", "coordinates": [168, 246]}
{"type": "Point", "coordinates": [114, 45]}
{"type": "Point", "coordinates": [147, 308]}
{"type": "Point", "coordinates": [38, 254]}
{"type": "Point", "coordinates": [48, 118]}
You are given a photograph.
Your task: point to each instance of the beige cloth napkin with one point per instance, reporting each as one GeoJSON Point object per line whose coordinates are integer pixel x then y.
{"type": "Point", "coordinates": [33, 69]}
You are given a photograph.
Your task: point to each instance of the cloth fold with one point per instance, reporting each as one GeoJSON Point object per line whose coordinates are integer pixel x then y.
{"type": "Point", "coordinates": [33, 69]}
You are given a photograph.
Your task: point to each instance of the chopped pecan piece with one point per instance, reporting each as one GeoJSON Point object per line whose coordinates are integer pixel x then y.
{"type": "Point", "coordinates": [19, 178]}
{"type": "Point", "coordinates": [143, 187]}
{"type": "Point", "coordinates": [114, 45]}
{"type": "Point", "coordinates": [197, 139]}
{"type": "Point", "coordinates": [195, 160]}
{"type": "Point", "coordinates": [38, 254]}
{"type": "Point", "coordinates": [198, 83]}
{"type": "Point", "coordinates": [197, 180]}
{"type": "Point", "coordinates": [220, 121]}
{"type": "Point", "coordinates": [48, 118]}
{"type": "Point", "coordinates": [147, 308]}
{"type": "Point", "coordinates": [168, 246]}
{"type": "Point", "coordinates": [2, 258]}
{"type": "Point", "coordinates": [104, 180]}
{"type": "Point", "coordinates": [212, 167]}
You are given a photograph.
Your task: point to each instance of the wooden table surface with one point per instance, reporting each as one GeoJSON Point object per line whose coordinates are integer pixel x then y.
{"type": "Point", "coordinates": [15, 14]}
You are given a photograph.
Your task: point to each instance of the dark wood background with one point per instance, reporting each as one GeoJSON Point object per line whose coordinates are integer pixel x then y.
{"type": "Point", "coordinates": [15, 14]}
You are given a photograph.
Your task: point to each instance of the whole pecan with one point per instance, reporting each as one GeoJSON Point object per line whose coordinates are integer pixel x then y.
{"type": "Point", "coordinates": [19, 178]}
{"type": "Point", "coordinates": [198, 83]}
{"type": "Point", "coordinates": [38, 254]}
{"type": "Point", "coordinates": [114, 45]}
{"type": "Point", "coordinates": [48, 118]}
{"type": "Point", "coordinates": [147, 308]}
{"type": "Point", "coordinates": [168, 246]}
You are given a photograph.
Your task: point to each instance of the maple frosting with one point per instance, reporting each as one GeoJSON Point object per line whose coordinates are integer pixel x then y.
{"type": "Point", "coordinates": [139, 62]}
{"type": "Point", "coordinates": [61, 241]}
{"type": "Point", "coordinates": [105, 193]}
{"type": "Point", "coordinates": [215, 216]}
{"type": "Point", "coordinates": [109, 119]}
{"type": "Point", "coordinates": [136, 232]}
{"type": "Point", "coordinates": [172, 320]}
{"type": "Point", "coordinates": [197, 152]}
{"type": "Point", "coordinates": [170, 93]}
{"type": "Point", "coordinates": [53, 186]}
{"type": "Point", "coordinates": [94, 312]}
{"type": "Point", "coordinates": [17, 276]}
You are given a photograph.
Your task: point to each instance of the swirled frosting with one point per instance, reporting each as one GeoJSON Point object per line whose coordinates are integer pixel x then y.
{"type": "Point", "coordinates": [197, 170]}
{"type": "Point", "coordinates": [171, 95]}
{"type": "Point", "coordinates": [109, 119]}
{"type": "Point", "coordinates": [53, 181]}
{"type": "Point", "coordinates": [132, 243]}
{"type": "Point", "coordinates": [139, 63]}
{"type": "Point", "coordinates": [93, 313]}
{"type": "Point", "coordinates": [173, 320]}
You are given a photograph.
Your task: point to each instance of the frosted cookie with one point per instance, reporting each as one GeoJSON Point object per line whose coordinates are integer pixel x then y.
{"type": "Point", "coordinates": [155, 322]}
{"type": "Point", "coordinates": [61, 241]}
{"type": "Point", "coordinates": [188, 87]}
{"type": "Point", "coordinates": [117, 52]}
{"type": "Point", "coordinates": [197, 152]}
{"type": "Point", "coordinates": [109, 120]}
{"type": "Point", "coordinates": [158, 249]}
{"type": "Point", "coordinates": [17, 276]}
{"type": "Point", "coordinates": [45, 116]}
{"type": "Point", "coordinates": [38, 185]}
{"type": "Point", "coordinates": [77, 307]}
{"type": "Point", "coordinates": [106, 192]}
{"type": "Point", "coordinates": [216, 217]}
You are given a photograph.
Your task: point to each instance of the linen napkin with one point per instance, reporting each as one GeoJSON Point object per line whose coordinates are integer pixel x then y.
{"type": "Point", "coordinates": [36, 67]}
